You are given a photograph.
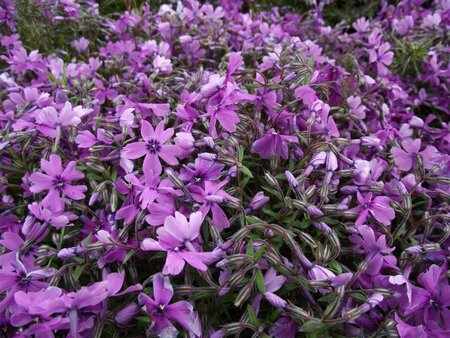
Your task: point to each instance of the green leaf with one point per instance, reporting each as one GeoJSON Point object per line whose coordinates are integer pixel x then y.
{"type": "Point", "coordinates": [128, 256]}
{"type": "Point", "coordinates": [311, 326]}
{"type": "Point", "coordinates": [240, 153]}
{"type": "Point", "coordinates": [64, 78]}
{"type": "Point", "coordinates": [253, 219]}
{"type": "Point", "coordinates": [78, 271]}
{"type": "Point", "coordinates": [260, 281]}
{"type": "Point", "coordinates": [358, 296]}
{"type": "Point", "coordinates": [335, 267]}
{"type": "Point", "coordinates": [249, 249]}
{"type": "Point", "coordinates": [145, 319]}
{"type": "Point", "coordinates": [258, 254]}
{"type": "Point", "coordinates": [252, 318]}
{"type": "Point", "coordinates": [246, 171]}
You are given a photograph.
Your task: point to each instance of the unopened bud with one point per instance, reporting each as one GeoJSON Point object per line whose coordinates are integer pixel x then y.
{"type": "Point", "coordinates": [314, 211]}
{"type": "Point", "coordinates": [96, 167]}
{"type": "Point", "coordinates": [67, 253]}
{"type": "Point", "coordinates": [125, 315]}
{"type": "Point", "coordinates": [243, 294]}
{"type": "Point", "coordinates": [258, 201]}
{"type": "Point", "coordinates": [291, 179]}
{"type": "Point", "coordinates": [272, 181]}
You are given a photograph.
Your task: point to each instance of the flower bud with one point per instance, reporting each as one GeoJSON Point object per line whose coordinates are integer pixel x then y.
{"type": "Point", "coordinates": [342, 279]}
{"type": "Point", "coordinates": [243, 294]}
{"type": "Point", "coordinates": [291, 179]}
{"type": "Point", "coordinates": [314, 211]}
{"type": "Point", "coordinates": [272, 181]}
{"type": "Point", "coordinates": [258, 201]}
{"type": "Point", "coordinates": [125, 315]}
{"type": "Point", "coordinates": [67, 253]}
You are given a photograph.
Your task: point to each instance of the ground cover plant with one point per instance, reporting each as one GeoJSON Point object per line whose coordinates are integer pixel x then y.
{"type": "Point", "coordinates": [224, 169]}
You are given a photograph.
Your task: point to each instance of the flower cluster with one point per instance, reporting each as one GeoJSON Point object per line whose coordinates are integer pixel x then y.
{"type": "Point", "coordinates": [223, 170]}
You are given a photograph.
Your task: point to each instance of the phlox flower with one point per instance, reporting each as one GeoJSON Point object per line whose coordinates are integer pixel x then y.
{"type": "Point", "coordinates": [379, 207]}
{"type": "Point", "coordinates": [273, 143]}
{"type": "Point", "coordinates": [162, 312]}
{"type": "Point", "coordinates": [154, 147]}
{"type": "Point", "coordinates": [56, 180]}
{"type": "Point", "coordinates": [179, 238]}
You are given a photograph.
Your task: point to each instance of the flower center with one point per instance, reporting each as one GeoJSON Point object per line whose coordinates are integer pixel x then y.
{"type": "Point", "coordinates": [153, 146]}
{"type": "Point", "coordinates": [59, 182]}
{"type": "Point", "coordinates": [197, 179]}
{"type": "Point", "coordinates": [23, 279]}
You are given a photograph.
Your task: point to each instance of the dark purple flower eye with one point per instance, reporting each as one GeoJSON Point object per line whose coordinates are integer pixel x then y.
{"type": "Point", "coordinates": [153, 146]}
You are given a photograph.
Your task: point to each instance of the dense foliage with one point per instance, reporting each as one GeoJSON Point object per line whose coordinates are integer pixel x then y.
{"type": "Point", "coordinates": [225, 169]}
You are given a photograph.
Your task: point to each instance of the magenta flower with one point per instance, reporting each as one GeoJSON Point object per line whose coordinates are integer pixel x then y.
{"type": "Point", "coordinates": [153, 147]}
{"type": "Point", "coordinates": [430, 303]}
{"type": "Point", "coordinates": [409, 331]}
{"type": "Point", "coordinates": [162, 312]}
{"type": "Point", "coordinates": [407, 158]}
{"type": "Point", "coordinates": [40, 304]}
{"type": "Point", "coordinates": [285, 327]}
{"type": "Point", "coordinates": [179, 238]}
{"type": "Point", "coordinates": [356, 108]}
{"type": "Point", "coordinates": [211, 196]}
{"type": "Point", "coordinates": [374, 248]}
{"type": "Point", "coordinates": [306, 94]}
{"type": "Point", "coordinates": [17, 277]}
{"type": "Point", "coordinates": [51, 214]}
{"type": "Point", "coordinates": [272, 283]}
{"type": "Point", "coordinates": [56, 181]}
{"type": "Point", "coordinates": [378, 207]}
{"type": "Point", "coordinates": [200, 171]}
{"type": "Point", "coordinates": [49, 119]}
{"type": "Point", "coordinates": [382, 57]}
{"type": "Point", "coordinates": [148, 189]}
{"type": "Point", "coordinates": [273, 143]}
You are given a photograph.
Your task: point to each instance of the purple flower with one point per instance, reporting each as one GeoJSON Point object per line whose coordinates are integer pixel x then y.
{"type": "Point", "coordinates": [356, 108]}
{"type": "Point", "coordinates": [374, 248]}
{"type": "Point", "coordinates": [258, 202]}
{"type": "Point", "coordinates": [409, 331]}
{"type": "Point", "coordinates": [51, 214]}
{"type": "Point", "coordinates": [200, 171]}
{"type": "Point", "coordinates": [16, 277]}
{"type": "Point", "coordinates": [211, 196]}
{"type": "Point", "coordinates": [153, 147]}
{"type": "Point", "coordinates": [382, 57]}
{"type": "Point", "coordinates": [306, 94]}
{"type": "Point", "coordinates": [430, 303]}
{"type": "Point", "coordinates": [163, 65]}
{"type": "Point", "coordinates": [162, 312]}
{"type": "Point", "coordinates": [273, 143]}
{"type": "Point", "coordinates": [39, 304]}
{"type": "Point", "coordinates": [379, 207]}
{"type": "Point", "coordinates": [272, 283]}
{"type": "Point", "coordinates": [285, 327]}
{"type": "Point", "coordinates": [81, 44]}
{"type": "Point", "coordinates": [56, 181]}
{"type": "Point", "coordinates": [179, 238]}
{"type": "Point", "coordinates": [407, 158]}
{"type": "Point", "coordinates": [50, 120]}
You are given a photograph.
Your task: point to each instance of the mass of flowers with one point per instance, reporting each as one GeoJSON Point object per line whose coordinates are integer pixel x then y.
{"type": "Point", "coordinates": [224, 169]}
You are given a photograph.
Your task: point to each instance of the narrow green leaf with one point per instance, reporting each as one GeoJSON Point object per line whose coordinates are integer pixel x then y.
{"type": "Point", "coordinates": [310, 326]}
{"type": "Point", "coordinates": [252, 318]}
{"type": "Point", "coordinates": [246, 171]}
{"type": "Point", "coordinates": [249, 249]}
{"type": "Point", "coordinates": [128, 256]}
{"type": "Point", "coordinates": [258, 254]}
{"type": "Point", "coordinates": [260, 281]}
